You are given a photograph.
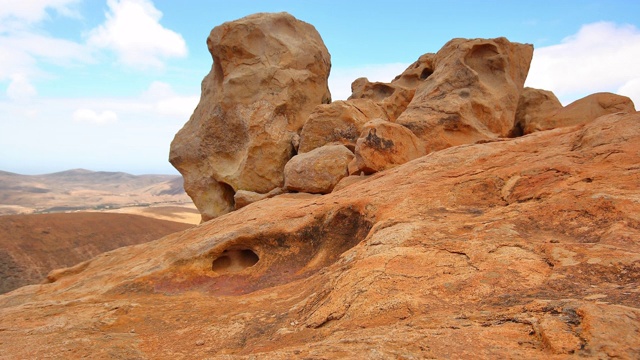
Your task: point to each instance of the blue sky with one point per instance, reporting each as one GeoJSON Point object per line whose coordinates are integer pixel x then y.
{"type": "Point", "coordinates": [105, 85]}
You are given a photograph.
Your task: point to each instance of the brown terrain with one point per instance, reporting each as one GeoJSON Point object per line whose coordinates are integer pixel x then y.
{"type": "Point", "coordinates": [48, 238]}
{"type": "Point", "coordinates": [33, 245]}
{"type": "Point", "coordinates": [468, 217]}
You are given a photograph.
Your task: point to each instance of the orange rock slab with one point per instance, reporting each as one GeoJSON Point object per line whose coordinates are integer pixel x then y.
{"type": "Point", "coordinates": [517, 248]}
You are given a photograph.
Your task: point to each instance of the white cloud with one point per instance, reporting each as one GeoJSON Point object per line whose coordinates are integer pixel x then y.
{"type": "Point", "coordinates": [340, 79]}
{"type": "Point", "coordinates": [602, 56]}
{"type": "Point", "coordinates": [93, 117]}
{"type": "Point", "coordinates": [21, 52]}
{"type": "Point", "coordinates": [22, 48]}
{"type": "Point", "coordinates": [631, 89]}
{"type": "Point", "coordinates": [32, 11]}
{"type": "Point", "coordinates": [132, 30]}
{"type": "Point", "coordinates": [20, 88]}
{"type": "Point", "coordinates": [164, 101]}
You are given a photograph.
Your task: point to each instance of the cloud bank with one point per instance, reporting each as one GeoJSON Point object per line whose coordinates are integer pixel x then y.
{"type": "Point", "coordinates": [602, 56]}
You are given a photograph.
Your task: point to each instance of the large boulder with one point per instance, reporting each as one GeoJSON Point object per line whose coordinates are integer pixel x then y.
{"type": "Point", "coordinates": [584, 110]}
{"type": "Point", "coordinates": [383, 145]}
{"type": "Point", "coordinates": [317, 171]}
{"type": "Point", "coordinates": [470, 93]}
{"type": "Point", "coordinates": [269, 72]}
{"type": "Point", "coordinates": [534, 107]}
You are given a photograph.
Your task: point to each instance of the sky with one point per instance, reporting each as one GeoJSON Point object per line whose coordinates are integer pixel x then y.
{"type": "Point", "coordinates": [105, 85]}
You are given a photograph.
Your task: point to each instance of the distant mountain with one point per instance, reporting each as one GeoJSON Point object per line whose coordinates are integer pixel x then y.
{"type": "Point", "coordinates": [81, 189]}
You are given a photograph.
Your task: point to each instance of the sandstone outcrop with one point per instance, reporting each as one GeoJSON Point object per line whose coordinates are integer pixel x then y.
{"type": "Point", "coordinates": [383, 145]}
{"type": "Point", "coordinates": [269, 72]}
{"type": "Point", "coordinates": [498, 247]}
{"type": "Point", "coordinates": [534, 107]}
{"type": "Point", "coordinates": [317, 171]}
{"type": "Point", "coordinates": [581, 111]}
{"type": "Point", "coordinates": [471, 93]}
{"type": "Point", "coordinates": [520, 248]}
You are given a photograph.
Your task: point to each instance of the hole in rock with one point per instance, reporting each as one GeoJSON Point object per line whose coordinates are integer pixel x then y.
{"type": "Point", "coordinates": [425, 73]}
{"type": "Point", "coordinates": [228, 194]}
{"type": "Point", "coordinates": [382, 91]}
{"type": "Point", "coordinates": [234, 261]}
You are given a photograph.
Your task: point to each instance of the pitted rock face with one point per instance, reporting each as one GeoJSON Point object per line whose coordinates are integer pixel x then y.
{"type": "Point", "coordinates": [340, 122]}
{"type": "Point", "coordinates": [383, 145]}
{"type": "Point", "coordinates": [469, 94]}
{"type": "Point", "coordinates": [269, 72]}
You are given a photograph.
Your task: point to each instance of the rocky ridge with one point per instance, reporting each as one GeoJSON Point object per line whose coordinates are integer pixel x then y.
{"type": "Point", "coordinates": [467, 240]}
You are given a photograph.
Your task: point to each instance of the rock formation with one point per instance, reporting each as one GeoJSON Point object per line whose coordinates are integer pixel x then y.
{"type": "Point", "coordinates": [317, 171]}
{"type": "Point", "coordinates": [383, 145]}
{"type": "Point", "coordinates": [580, 111]}
{"type": "Point", "coordinates": [522, 248]}
{"type": "Point", "coordinates": [340, 122]}
{"type": "Point", "coordinates": [469, 93]}
{"type": "Point", "coordinates": [534, 107]}
{"type": "Point", "coordinates": [269, 72]}
{"type": "Point", "coordinates": [487, 247]}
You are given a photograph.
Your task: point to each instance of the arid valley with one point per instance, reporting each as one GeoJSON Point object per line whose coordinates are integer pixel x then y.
{"type": "Point", "coordinates": [58, 220]}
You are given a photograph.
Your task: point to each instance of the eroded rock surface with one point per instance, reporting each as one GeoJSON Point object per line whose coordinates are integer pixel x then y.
{"type": "Point", "coordinates": [383, 145]}
{"type": "Point", "coordinates": [520, 248]}
{"type": "Point", "coordinates": [340, 122]}
{"type": "Point", "coordinates": [269, 72]}
{"type": "Point", "coordinates": [534, 107]}
{"type": "Point", "coordinates": [471, 93]}
{"type": "Point", "coordinates": [584, 110]}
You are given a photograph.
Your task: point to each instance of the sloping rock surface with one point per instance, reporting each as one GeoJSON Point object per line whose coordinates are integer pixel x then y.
{"type": "Point", "coordinates": [269, 72]}
{"type": "Point", "coordinates": [519, 248]}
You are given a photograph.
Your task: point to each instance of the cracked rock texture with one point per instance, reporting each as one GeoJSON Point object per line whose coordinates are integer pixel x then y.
{"type": "Point", "coordinates": [517, 248]}
{"type": "Point", "coordinates": [269, 72]}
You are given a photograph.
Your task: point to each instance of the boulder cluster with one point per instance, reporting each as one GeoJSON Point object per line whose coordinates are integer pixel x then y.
{"type": "Point", "coordinates": [265, 124]}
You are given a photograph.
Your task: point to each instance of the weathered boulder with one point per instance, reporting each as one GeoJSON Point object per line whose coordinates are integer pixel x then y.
{"type": "Point", "coordinates": [318, 170]}
{"type": "Point", "coordinates": [339, 122]}
{"type": "Point", "coordinates": [584, 110]}
{"type": "Point", "coordinates": [534, 107]}
{"type": "Point", "coordinates": [269, 72]}
{"type": "Point", "coordinates": [471, 93]}
{"type": "Point", "coordinates": [383, 145]}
